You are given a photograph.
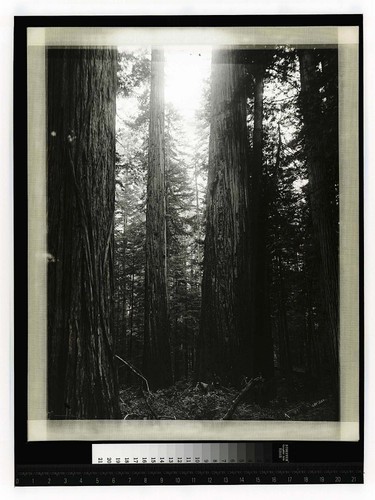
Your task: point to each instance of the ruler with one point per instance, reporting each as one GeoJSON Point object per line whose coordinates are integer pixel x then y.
{"type": "Point", "coordinates": [194, 474]}
{"type": "Point", "coordinates": [193, 463]}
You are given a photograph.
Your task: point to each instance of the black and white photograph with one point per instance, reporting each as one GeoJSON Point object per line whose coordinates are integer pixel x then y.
{"type": "Point", "coordinates": [195, 245]}
{"type": "Point", "coordinates": [193, 221]}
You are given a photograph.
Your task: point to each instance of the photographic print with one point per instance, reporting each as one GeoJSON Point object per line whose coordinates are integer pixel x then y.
{"type": "Point", "coordinates": [196, 257]}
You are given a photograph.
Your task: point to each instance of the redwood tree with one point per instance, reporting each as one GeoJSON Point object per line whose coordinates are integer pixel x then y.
{"type": "Point", "coordinates": [226, 342]}
{"type": "Point", "coordinates": [318, 103]}
{"type": "Point", "coordinates": [259, 213]}
{"type": "Point", "coordinates": [81, 183]}
{"type": "Point", "coordinates": [157, 355]}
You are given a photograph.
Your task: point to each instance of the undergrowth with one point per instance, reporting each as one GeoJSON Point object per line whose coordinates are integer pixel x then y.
{"type": "Point", "coordinates": [186, 401]}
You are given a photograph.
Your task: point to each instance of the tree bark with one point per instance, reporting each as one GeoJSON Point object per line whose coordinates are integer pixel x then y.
{"type": "Point", "coordinates": [225, 339]}
{"type": "Point", "coordinates": [259, 221]}
{"type": "Point", "coordinates": [81, 194]}
{"type": "Point", "coordinates": [157, 355]}
{"type": "Point", "coordinates": [322, 192]}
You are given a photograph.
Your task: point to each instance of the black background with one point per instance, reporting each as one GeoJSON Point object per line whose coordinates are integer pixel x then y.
{"type": "Point", "coordinates": [76, 455]}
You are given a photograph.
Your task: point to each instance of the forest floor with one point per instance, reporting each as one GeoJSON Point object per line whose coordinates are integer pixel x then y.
{"type": "Point", "coordinates": [186, 401]}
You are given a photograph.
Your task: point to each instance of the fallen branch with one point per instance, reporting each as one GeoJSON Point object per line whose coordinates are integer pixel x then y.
{"type": "Point", "coordinates": [295, 411]}
{"type": "Point", "coordinates": [134, 370]}
{"type": "Point", "coordinates": [149, 406]}
{"type": "Point", "coordinates": [240, 396]}
{"type": "Point", "coordinates": [303, 406]}
{"type": "Point", "coordinates": [318, 403]}
{"type": "Point", "coordinates": [131, 415]}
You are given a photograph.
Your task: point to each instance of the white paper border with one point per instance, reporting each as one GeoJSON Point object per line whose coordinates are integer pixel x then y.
{"type": "Point", "coordinates": [348, 428]}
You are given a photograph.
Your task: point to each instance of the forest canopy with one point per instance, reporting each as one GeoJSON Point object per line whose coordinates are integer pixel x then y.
{"type": "Point", "coordinates": [193, 220]}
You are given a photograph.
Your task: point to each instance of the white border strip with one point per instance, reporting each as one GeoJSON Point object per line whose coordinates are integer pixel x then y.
{"type": "Point", "coordinates": [309, 35]}
{"type": "Point", "coordinates": [39, 428]}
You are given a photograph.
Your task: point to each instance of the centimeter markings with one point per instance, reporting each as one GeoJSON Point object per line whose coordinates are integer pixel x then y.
{"type": "Point", "coordinates": [187, 477]}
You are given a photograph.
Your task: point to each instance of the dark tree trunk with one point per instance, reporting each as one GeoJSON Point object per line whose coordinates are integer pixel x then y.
{"type": "Point", "coordinates": [322, 189]}
{"type": "Point", "coordinates": [157, 355]}
{"type": "Point", "coordinates": [259, 220]}
{"type": "Point", "coordinates": [225, 339]}
{"type": "Point", "coordinates": [81, 195]}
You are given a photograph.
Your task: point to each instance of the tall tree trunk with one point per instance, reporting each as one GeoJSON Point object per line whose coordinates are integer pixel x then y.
{"type": "Point", "coordinates": [157, 355]}
{"type": "Point", "coordinates": [322, 196]}
{"type": "Point", "coordinates": [81, 195]}
{"type": "Point", "coordinates": [259, 221]}
{"type": "Point", "coordinates": [225, 339]}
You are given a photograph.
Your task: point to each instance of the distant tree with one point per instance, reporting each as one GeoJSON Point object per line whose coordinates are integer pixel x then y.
{"type": "Point", "coordinates": [81, 188]}
{"type": "Point", "coordinates": [157, 355]}
{"type": "Point", "coordinates": [182, 269]}
{"type": "Point", "coordinates": [133, 116]}
{"type": "Point", "coordinates": [298, 308]}
{"type": "Point", "coordinates": [298, 317]}
{"type": "Point", "coordinates": [132, 70]}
